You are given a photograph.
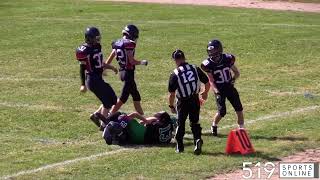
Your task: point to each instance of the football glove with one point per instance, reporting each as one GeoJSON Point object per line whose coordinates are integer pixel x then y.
{"type": "Point", "coordinates": [144, 62]}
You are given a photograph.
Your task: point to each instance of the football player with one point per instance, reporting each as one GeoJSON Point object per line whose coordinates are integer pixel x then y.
{"type": "Point", "coordinates": [124, 50]}
{"type": "Point", "coordinates": [125, 129]}
{"type": "Point", "coordinates": [222, 73]}
{"type": "Point", "coordinates": [91, 68]}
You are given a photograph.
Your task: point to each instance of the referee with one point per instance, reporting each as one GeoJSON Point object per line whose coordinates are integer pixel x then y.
{"type": "Point", "coordinates": [184, 83]}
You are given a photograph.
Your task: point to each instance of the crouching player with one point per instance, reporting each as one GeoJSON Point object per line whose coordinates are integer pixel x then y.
{"type": "Point", "coordinates": [125, 129]}
{"type": "Point", "coordinates": [222, 73]}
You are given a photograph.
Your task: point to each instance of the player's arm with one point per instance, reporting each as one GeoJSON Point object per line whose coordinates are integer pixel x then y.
{"type": "Point", "coordinates": [236, 72]}
{"type": "Point", "coordinates": [136, 115]}
{"type": "Point", "coordinates": [173, 86]}
{"type": "Point", "coordinates": [83, 87]}
{"type": "Point", "coordinates": [131, 58]}
{"type": "Point", "coordinates": [111, 57]}
{"type": "Point", "coordinates": [211, 79]}
{"type": "Point", "coordinates": [82, 58]}
{"type": "Point", "coordinates": [205, 80]}
{"type": "Point", "coordinates": [109, 66]}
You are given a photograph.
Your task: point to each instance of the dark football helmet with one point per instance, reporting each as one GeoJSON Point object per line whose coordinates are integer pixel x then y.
{"type": "Point", "coordinates": [92, 35]}
{"type": "Point", "coordinates": [215, 49]}
{"type": "Point", "coordinates": [112, 131]}
{"type": "Point", "coordinates": [177, 54]}
{"type": "Point", "coordinates": [131, 31]}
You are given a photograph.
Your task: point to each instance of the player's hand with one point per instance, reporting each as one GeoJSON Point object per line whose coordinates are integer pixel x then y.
{"type": "Point", "coordinates": [144, 62]}
{"type": "Point", "coordinates": [83, 89]}
{"type": "Point", "coordinates": [233, 80]}
{"type": "Point", "coordinates": [115, 70]}
{"type": "Point", "coordinates": [204, 96]}
{"type": "Point", "coordinates": [173, 109]}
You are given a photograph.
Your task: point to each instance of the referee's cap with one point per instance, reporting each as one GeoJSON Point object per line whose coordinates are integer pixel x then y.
{"type": "Point", "coordinates": [178, 54]}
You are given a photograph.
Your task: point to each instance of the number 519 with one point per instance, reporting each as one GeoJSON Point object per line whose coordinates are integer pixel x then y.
{"type": "Point", "coordinates": [268, 167]}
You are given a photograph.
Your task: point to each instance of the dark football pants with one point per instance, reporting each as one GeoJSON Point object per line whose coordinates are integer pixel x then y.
{"type": "Point", "coordinates": [232, 95]}
{"type": "Point", "coordinates": [102, 90]}
{"type": "Point", "coordinates": [191, 108]}
{"type": "Point", "coordinates": [129, 86]}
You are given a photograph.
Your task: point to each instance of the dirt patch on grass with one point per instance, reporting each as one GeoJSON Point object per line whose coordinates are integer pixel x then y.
{"type": "Point", "coordinates": [275, 5]}
{"type": "Point", "coordinates": [311, 155]}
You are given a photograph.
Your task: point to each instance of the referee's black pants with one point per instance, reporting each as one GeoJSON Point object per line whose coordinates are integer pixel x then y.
{"type": "Point", "coordinates": [188, 107]}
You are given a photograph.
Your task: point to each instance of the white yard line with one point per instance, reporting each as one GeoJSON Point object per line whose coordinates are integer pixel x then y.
{"type": "Point", "coordinates": [93, 157]}
{"type": "Point", "coordinates": [63, 163]}
{"type": "Point", "coordinates": [273, 116]}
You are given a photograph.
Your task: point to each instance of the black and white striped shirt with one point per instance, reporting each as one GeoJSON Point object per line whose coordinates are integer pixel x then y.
{"type": "Point", "coordinates": [186, 80]}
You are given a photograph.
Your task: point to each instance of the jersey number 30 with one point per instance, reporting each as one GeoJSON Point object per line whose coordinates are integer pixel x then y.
{"type": "Point", "coordinates": [224, 75]}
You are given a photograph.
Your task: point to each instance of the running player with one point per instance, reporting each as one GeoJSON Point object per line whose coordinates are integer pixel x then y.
{"type": "Point", "coordinates": [91, 68]}
{"type": "Point", "coordinates": [124, 50]}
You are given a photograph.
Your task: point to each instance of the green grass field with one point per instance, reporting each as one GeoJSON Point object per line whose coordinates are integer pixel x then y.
{"type": "Point", "coordinates": [44, 119]}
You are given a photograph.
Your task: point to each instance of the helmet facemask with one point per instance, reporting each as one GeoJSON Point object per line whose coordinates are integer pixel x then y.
{"type": "Point", "coordinates": [214, 53]}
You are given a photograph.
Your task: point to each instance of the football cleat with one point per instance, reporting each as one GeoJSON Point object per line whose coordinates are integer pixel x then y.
{"type": "Point", "coordinates": [95, 119]}
{"type": "Point", "coordinates": [198, 146]}
{"type": "Point", "coordinates": [214, 130]}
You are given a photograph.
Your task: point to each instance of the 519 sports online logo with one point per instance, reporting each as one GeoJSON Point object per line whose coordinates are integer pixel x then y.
{"type": "Point", "coordinates": [282, 170]}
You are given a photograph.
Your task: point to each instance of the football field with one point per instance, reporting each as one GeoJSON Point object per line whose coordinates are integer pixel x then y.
{"type": "Point", "coordinates": [45, 132]}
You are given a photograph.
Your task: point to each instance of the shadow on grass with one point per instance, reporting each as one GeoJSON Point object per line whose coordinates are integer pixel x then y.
{"type": "Point", "coordinates": [171, 145]}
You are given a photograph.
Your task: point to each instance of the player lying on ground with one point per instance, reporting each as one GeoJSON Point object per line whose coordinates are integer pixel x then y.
{"type": "Point", "coordinates": [222, 73]}
{"type": "Point", "coordinates": [125, 129]}
{"type": "Point", "coordinates": [124, 50]}
{"type": "Point", "coordinates": [91, 68]}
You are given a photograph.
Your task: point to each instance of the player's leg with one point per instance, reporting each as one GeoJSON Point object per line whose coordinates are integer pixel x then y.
{"type": "Point", "coordinates": [194, 111]}
{"type": "Point", "coordinates": [123, 97]}
{"type": "Point", "coordinates": [91, 83]}
{"type": "Point", "coordinates": [234, 98]}
{"type": "Point", "coordinates": [107, 96]}
{"type": "Point", "coordinates": [136, 98]}
{"type": "Point", "coordinates": [180, 131]}
{"type": "Point", "coordinates": [222, 110]}
{"type": "Point", "coordinates": [124, 76]}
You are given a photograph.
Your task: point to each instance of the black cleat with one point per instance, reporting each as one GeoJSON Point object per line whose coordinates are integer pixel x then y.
{"type": "Point", "coordinates": [179, 147]}
{"type": "Point", "coordinates": [95, 119]}
{"type": "Point", "coordinates": [214, 130]}
{"type": "Point", "coordinates": [198, 146]}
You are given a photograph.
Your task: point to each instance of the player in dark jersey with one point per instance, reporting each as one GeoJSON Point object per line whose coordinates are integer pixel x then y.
{"type": "Point", "coordinates": [91, 68]}
{"type": "Point", "coordinates": [222, 73]}
{"type": "Point", "coordinates": [124, 50]}
{"type": "Point", "coordinates": [125, 129]}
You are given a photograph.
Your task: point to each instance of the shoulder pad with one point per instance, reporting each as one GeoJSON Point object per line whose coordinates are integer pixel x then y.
{"type": "Point", "coordinates": [230, 58]}
{"type": "Point", "coordinates": [129, 44]}
{"type": "Point", "coordinates": [81, 52]}
{"type": "Point", "coordinates": [206, 62]}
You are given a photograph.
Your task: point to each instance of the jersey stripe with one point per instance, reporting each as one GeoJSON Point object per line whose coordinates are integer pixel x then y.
{"type": "Point", "coordinates": [187, 88]}
{"type": "Point", "coordinates": [180, 84]}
